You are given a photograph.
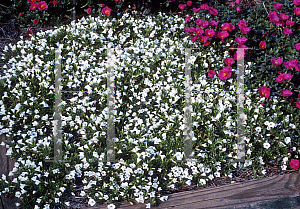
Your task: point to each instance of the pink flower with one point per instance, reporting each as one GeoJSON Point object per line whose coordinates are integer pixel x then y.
{"type": "Point", "coordinates": [289, 22]}
{"type": "Point", "coordinates": [199, 31]}
{"type": "Point", "coordinates": [194, 38]}
{"type": "Point", "coordinates": [297, 67]}
{"type": "Point", "coordinates": [229, 61]}
{"type": "Point", "coordinates": [296, 2]}
{"type": "Point", "coordinates": [241, 40]}
{"type": "Point", "coordinates": [54, 2]}
{"type": "Point", "coordinates": [204, 24]}
{"type": "Point", "coordinates": [280, 78]}
{"type": "Point", "coordinates": [224, 74]}
{"type": "Point", "coordinates": [288, 76]}
{"type": "Point", "coordinates": [283, 17]}
{"type": "Point", "coordinates": [88, 10]}
{"type": "Point", "coordinates": [299, 95]}
{"type": "Point", "coordinates": [31, 1]}
{"type": "Point", "coordinates": [187, 18]}
{"type": "Point", "coordinates": [277, 61]}
{"type": "Point", "coordinates": [213, 11]}
{"type": "Point", "coordinates": [297, 46]}
{"type": "Point", "coordinates": [20, 14]}
{"type": "Point", "coordinates": [242, 23]}
{"type": "Point", "coordinates": [228, 68]}
{"type": "Point", "coordinates": [189, 3]}
{"type": "Point", "coordinates": [245, 29]}
{"type": "Point", "coordinates": [209, 32]}
{"type": "Point", "coordinates": [33, 6]}
{"type": "Point", "coordinates": [207, 43]}
{"type": "Point", "coordinates": [243, 47]}
{"type": "Point", "coordinates": [191, 30]}
{"type": "Point", "coordinates": [273, 16]}
{"type": "Point", "coordinates": [106, 11]}
{"type": "Point", "coordinates": [238, 9]}
{"type": "Point", "coordinates": [264, 91]}
{"type": "Point", "coordinates": [298, 104]}
{"type": "Point", "coordinates": [211, 73]}
{"type": "Point", "coordinates": [198, 22]}
{"type": "Point", "coordinates": [286, 93]}
{"type": "Point", "coordinates": [239, 55]}
{"type": "Point", "coordinates": [287, 31]}
{"type": "Point", "coordinates": [225, 27]}
{"type": "Point", "coordinates": [186, 29]}
{"type": "Point", "coordinates": [290, 64]}
{"type": "Point", "coordinates": [297, 11]}
{"type": "Point", "coordinates": [43, 5]}
{"type": "Point", "coordinates": [262, 45]}
{"type": "Point", "coordinates": [35, 21]}
{"type": "Point", "coordinates": [182, 6]}
{"type": "Point", "coordinates": [277, 6]}
{"type": "Point", "coordinates": [195, 10]}
{"type": "Point", "coordinates": [203, 39]}
{"type": "Point", "coordinates": [237, 1]}
{"type": "Point", "coordinates": [204, 6]}
{"type": "Point", "coordinates": [213, 23]}
{"type": "Point", "coordinates": [223, 34]}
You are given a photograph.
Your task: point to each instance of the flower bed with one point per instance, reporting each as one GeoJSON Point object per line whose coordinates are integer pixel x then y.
{"type": "Point", "coordinates": [149, 68]}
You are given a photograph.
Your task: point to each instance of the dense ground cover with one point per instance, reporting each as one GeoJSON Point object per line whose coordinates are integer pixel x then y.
{"type": "Point", "coordinates": [149, 69]}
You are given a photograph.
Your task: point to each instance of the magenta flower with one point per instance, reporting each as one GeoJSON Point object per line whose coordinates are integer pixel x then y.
{"type": "Point", "coordinates": [264, 91]}
{"type": "Point", "coordinates": [277, 61]}
{"type": "Point", "coordinates": [182, 6]}
{"type": "Point", "coordinates": [195, 10]}
{"type": "Point", "coordinates": [88, 10]}
{"type": "Point", "coordinates": [298, 104]}
{"type": "Point", "coordinates": [262, 44]}
{"type": "Point", "coordinates": [280, 78]}
{"type": "Point", "coordinates": [297, 11]}
{"type": "Point", "coordinates": [42, 5]}
{"type": "Point", "coordinates": [203, 39]}
{"type": "Point", "coordinates": [198, 22]}
{"type": "Point", "coordinates": [186, 29]}
{"type": "Point", "coordinates": [223, 34]}
{"type": "Point", "coordinates": [213, 11]}
{"type": "Point", "coordinates": [204, 24]}
{"type": "Point", "coordinates": [211, 73]}
{"type": "Point", "coordinates": [288, 76]}
{"type": "Point", "coordinates": [229, 61]}
{"type": "Point", "coordinates": [187, 18]}
{"type": "Point", "coordinates": [225, 27]}
{"type": "Point", "coordinates": [289, 22]}
{"type": "Point", "coordinates": [286, 93]}
{"type": "Point", "coordinates": [297, 67]}
{"type": "Point", "coordinates": [194, 38]}
{"type": "Point", "coordinates": [228, 68]}
{"type": "Point", "coordinates": [213, 23]}
{"type": "Point", "coordinates": [245, 29]}
{"type": "Point", "coordinates": [209, 32]}
{"type": "Point", "coordinates": [189, 3]}
{"type": "Point", "coordinates": [290, 64]}
{"type": "Point", "coordinates": [238, 9]}
{"type": "Point", "coordinates": [224, 74]}
{"type": "Point", "coordinates": [297, 46]}
{"type": "Point", "coordinates": [273, 17]}
{"type": "Point", "coordinates": [283, 17]}
{"type": "Point", "coordinates": [277, 6]}
{"type": "Point", "coordinates": [242, 46]}
{"type": "Point", "coordinates": [191, 29]}
{"type": "Point", "coordinates": [241, 40]}
{"type": "Point", "coordinates": [237, 1]}
{"type": "Point", "coordinates": [199, 31]}
{"type": "Point", "coordinates": [296, 2]}
{"type": "Point", "coordinates": [239, 55]}
{"type": "Point", "coordinates": [287, 31]}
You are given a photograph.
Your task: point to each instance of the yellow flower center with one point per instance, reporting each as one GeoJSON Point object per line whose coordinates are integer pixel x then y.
{"type": "Point", "coordinates": [263, 93]}
{"type": "Point", "coordinates": [276, 63]}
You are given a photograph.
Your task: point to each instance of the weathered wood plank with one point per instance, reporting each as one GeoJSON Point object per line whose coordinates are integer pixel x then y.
{"type": "Point", "coordinates": [230, 196]}
{"type": "Point", "coordinates": [6, 162]}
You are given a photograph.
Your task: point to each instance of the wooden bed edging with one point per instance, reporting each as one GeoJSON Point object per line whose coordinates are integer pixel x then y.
{"type": "Point", "coordinates": [237, 195]}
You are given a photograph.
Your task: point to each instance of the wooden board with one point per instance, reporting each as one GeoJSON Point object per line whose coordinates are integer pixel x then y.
{"type": "Point", "coordinates": [237, 195]}
{"type": "Point", "coordinates": [6, 162]}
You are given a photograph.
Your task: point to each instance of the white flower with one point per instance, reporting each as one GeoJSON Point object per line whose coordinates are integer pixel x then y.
{"type": "Point", "coordinates": [266, 145]}
{"type": "Point", "coordinates": [91, 202]}
{"type": "Point", "coordinates": [111, 206]}
{"type": "Point", "coordinates": [287, 140]}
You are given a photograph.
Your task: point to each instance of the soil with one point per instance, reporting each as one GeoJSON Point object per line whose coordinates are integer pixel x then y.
{"type": "Point", "coordinates": [10, 34]}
